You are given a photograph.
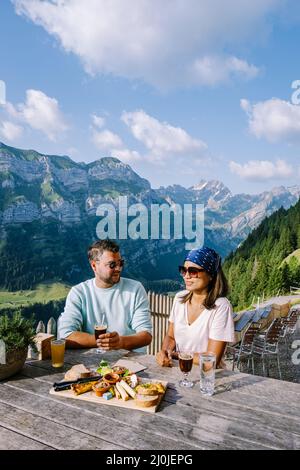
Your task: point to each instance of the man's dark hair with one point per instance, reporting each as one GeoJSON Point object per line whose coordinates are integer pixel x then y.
{"type": "Point", "coordinates": [98, 247]}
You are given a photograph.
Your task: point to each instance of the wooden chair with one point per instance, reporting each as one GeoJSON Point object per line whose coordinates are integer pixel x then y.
{"type": "Point", "coordinates": [244, 349]}
{"type": "Point", "coordinates": [266, 345]}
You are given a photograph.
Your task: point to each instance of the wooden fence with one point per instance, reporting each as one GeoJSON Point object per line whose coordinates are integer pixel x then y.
{"type": "Point", "coordinates": [294, 290]}
{"type": "Point", "coordinates": [160, 308]}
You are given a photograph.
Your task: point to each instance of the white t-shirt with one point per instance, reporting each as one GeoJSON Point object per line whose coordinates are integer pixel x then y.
{"type": "Point", "coordinates": [216, 324]}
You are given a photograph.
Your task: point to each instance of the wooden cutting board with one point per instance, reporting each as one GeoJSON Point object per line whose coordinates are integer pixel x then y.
{"type": "Point", "coordinates": [92, 398]}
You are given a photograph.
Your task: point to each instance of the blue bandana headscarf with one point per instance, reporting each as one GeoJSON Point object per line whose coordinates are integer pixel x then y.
{"type": "Point", "coordinates": [207, 258]}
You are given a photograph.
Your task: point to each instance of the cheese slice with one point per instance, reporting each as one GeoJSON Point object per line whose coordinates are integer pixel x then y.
{"type": "Point", "coordinates": [127, 388]}
{"type": "Point", "coordinates": [122, 392]}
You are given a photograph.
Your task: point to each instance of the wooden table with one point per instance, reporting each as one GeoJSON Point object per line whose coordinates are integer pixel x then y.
{"type": "Point", "coordinates": [247, 412]}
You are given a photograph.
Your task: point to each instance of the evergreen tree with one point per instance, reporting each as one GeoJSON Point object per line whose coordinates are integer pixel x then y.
{"type": "Point", "coordinates": [258, 264]}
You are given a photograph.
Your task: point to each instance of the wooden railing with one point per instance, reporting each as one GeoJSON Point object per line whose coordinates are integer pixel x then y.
{"type": "Point", "coordinates": [160, 308]}
{"type": "Point", "coordinates": [294, 289]}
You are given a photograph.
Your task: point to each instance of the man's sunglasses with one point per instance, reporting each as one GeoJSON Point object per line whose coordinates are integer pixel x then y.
{"type": "Point", "coordinates": [193, 272]}
{"type": "Point", "coordinates": [114, 264]}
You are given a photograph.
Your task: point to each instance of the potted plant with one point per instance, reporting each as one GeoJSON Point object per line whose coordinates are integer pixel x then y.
{"type": "Point", "coordinates": [17, 333]}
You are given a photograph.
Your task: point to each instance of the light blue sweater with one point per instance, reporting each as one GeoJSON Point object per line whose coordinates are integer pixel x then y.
{"type": "Point", "coordinates": [124, 307]}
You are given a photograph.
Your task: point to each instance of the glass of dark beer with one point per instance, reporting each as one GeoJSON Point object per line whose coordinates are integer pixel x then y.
{"type": "Point", "coordinates": [185, 365]}
{"type": "Point", "coordinates": [100, 330]}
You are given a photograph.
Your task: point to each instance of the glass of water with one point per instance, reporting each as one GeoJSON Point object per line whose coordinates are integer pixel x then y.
{"type": "Point", "coordinates": [207, 364]}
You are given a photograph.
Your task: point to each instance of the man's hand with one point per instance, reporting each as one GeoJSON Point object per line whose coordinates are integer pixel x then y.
{"type": "Point", "coordinates": [110, 341]}
{"type": "Point", "coordinates": [164, 358]}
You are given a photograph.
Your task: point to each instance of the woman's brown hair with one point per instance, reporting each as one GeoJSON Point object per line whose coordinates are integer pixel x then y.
{"type": "Point", "coordinates": [217, 287]}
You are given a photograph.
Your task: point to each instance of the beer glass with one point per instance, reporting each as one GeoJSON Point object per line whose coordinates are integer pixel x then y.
{"type": "Point", "coordinates": [58, 352]}
{"type": "Point", "coordinates": [100, 330]}
{"type": "Point", "coordinates": [185, 365]}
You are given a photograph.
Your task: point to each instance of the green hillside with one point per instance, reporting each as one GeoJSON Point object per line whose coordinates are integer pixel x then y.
{"type": "Point", "coordinates": [268, 261]}
{"type": "Point", "coordinates": [44, 301]}
{"type": "Point", "coordinates": [42, 293]}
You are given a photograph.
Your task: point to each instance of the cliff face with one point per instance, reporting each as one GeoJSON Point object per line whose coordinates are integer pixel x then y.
{"type": "Point", "coordinates": [35, 186]}
{"type": "Point", "coordinates": [48, 194]}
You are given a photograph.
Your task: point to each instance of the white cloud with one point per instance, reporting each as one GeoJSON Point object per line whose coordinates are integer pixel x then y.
{"type": "Point", "coordinates": [160, 138]}
{"type": "Point", "coordinates": [165, 43]}
{"type": "Point", "coordinates": [274, 119]}
{"type": "Point", "coordinates": [126, 155]}
{"type": "Point", "coordinates": [10, 131]}
{"type": "Point", "coordinates": [98, 121]}
{"type": "Point", "coordinates": [110, 143]}
{"type": "Point", "coordinates": [73, 151]}
{"type": "Point", "coordinates": [106, 140]}
{"type": "Point", "coordinates": [211, 70]}
{"type": "Point", "coordinates": [41, 113]}
{"type": "Point", "coordinates": [261, 170]}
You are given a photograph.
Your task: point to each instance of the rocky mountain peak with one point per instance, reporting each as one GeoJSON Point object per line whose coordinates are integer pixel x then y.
{"type": "Point", "coordinates": [212, 191]}
{"type": "Point", "coordinates": [113, 169]}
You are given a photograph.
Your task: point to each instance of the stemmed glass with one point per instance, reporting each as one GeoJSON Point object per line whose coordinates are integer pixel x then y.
{"type": "Point", "coordinates": [186, 364]}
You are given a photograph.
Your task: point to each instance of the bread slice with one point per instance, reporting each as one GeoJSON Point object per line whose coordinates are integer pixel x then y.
{"type": "Point", "coordinates": [79, 371]}
{"type": "Point", "coordinates": [145, 401]}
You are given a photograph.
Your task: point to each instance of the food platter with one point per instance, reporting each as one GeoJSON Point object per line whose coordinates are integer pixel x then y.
{"type": "Point", "coordinates": [130, 404]}
{"type": "Point", "coordinates": [115, 385]}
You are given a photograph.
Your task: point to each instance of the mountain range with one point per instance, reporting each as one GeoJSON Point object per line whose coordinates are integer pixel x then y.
{"type": "Point", "coordinates": [48, 217]}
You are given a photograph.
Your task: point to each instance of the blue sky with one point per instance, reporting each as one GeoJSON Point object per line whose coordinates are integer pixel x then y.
{"type": "Point", "coordinates": [180, 90]}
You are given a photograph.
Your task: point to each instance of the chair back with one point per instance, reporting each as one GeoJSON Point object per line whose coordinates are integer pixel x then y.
{"type": "Point", "coordinates": [294, 313]}
{"type": "Point", "coordinates": [249, 335]}
{"type": "Point", "coordinates": [290, 324]}
{"type": "Point", "coordinates": [273, 334]}
{"type": "Point", "coordinates": [259, 344]}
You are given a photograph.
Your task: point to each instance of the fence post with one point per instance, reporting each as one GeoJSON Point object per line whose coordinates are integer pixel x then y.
{"type": "Point", "coordinates": [160, 306]}
{"type": "Point", "coordinates": [51, 326]}
{"type": "Point", "coordinates": [41, 327]}
{"type": "Point", "coordinates": [161, 320]}
{"type": "Point", "coordinates": [164, 319]}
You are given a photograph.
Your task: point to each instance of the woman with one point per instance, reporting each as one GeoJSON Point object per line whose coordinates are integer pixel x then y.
{"type": "Point", "coordinates": [201, 317]}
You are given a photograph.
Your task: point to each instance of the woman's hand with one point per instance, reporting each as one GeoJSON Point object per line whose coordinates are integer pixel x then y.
{"type": "Point", "coordinates": [164, 358]}
{"type": "Point", "coordinates": [196, 359]}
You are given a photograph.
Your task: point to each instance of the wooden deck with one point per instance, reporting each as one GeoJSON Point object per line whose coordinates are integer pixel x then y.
{"type": "Point", "coordinates": [247, 412]}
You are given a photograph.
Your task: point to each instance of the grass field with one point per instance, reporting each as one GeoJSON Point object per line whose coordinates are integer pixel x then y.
{"type": "Point", "coordinates": [43, 293]}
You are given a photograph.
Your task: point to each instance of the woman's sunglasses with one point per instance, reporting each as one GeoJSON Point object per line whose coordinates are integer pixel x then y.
{"type": "Point", "coordinates": [193, 272]}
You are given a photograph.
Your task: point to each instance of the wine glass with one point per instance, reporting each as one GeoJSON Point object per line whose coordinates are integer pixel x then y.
{"type": "Point", "coordinates": [186, 364]}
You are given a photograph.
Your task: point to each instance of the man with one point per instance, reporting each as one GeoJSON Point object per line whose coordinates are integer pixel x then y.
{"type": "Point", "coordinates": [110, 299]}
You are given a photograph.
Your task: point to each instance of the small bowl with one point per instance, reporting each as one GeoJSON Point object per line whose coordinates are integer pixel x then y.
{"type": "Point", "coordinates": [111, 378]}
{"type": "Point", "coordinates": [101, 387]}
